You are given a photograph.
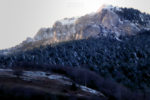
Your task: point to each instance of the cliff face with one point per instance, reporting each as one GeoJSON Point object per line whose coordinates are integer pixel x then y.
{"type": "Point", "coordinates": [106, 21]}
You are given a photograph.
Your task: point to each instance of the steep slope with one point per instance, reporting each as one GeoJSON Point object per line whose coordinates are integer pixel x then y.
{"type": "Point", "coordinates": [126, 61]}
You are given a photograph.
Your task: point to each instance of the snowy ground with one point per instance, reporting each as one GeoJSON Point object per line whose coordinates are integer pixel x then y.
{"type": "Point", "coordinates": [36, 75]}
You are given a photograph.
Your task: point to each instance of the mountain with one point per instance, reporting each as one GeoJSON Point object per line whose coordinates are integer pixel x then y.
{"type": "Point", "coordinates": [108, 21]}
{"type": "Point", "coordinates": [106, 52]}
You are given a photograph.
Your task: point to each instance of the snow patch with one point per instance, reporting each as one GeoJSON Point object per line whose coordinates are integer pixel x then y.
{"type": "Point", "coordinates": [86, 89]}
{"type": "Point", "coordinates": [108, 7]}
{"type": "Point", "coordinates": [95, 26]}
{"type": "Point", "coordinates": [30, 75]}
{"type": "Point", "coordinates": [118, 39]}
{"type": "Point", "coordinates": [34, 74]}
{"type": "Point", "coordinates": [62, 79]}
{"type": "Point", "coordinates": [7, 70]}
{"type": "Point", "coordinates": [147, 29]}
{"type": "Point", "coordinates": [68, 21]}
{"type": "Point", "coordinates": [118, 9]}
{"type": "Point", "coordinates": [121, 22]}
{"type": "Point", "coordinates": [55, 77]}
{"type": "Point", "coordinates": [5, 53]}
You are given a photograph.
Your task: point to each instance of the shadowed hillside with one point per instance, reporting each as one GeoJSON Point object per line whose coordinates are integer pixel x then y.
{"type": "Point", "coordinates": [100, 56]}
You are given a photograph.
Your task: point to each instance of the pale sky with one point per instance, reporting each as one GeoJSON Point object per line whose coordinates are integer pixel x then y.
{"type": "Point", "coordinates": [20, 19]}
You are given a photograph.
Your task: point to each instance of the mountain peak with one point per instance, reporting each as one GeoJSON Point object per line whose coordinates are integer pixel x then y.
{"type": "Point", "coordinates": [108, 7]}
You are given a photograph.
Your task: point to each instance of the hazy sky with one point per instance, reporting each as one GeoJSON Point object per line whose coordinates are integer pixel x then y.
{"type": "Point", "coordinates": [20, 19]}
